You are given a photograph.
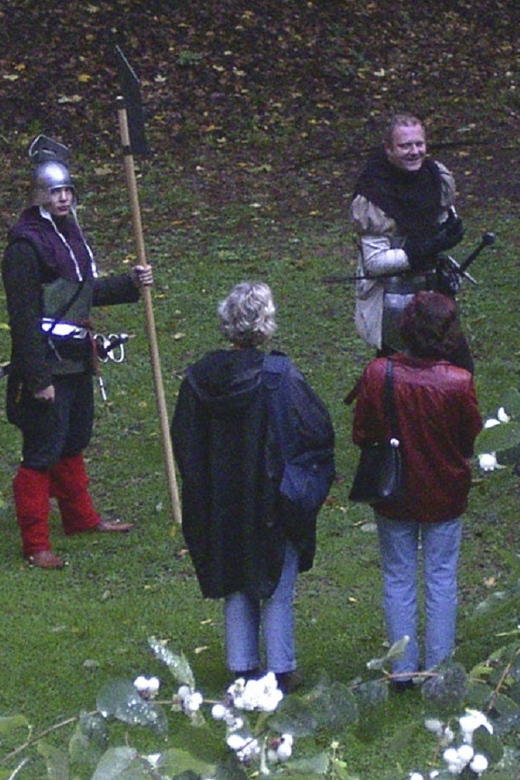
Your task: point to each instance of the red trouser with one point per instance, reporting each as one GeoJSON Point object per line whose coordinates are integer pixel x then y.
{"type": "Point", "coordinates": [67, 481]}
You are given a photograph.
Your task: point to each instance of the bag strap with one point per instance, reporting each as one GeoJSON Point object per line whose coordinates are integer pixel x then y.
{"type": "Point", "coordinates": [388, 399]}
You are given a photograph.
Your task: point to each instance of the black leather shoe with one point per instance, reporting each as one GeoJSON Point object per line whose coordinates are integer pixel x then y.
{"type": "Point", "coordinates": [401, 686]}
{"type": "Point", "coordinates": [289, 681]}
{"type": "Point", "coordinates": [249, 674]}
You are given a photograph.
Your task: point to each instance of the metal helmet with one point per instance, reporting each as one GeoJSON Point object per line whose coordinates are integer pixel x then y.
{"type": "Point", "coordinates": [51, 167]}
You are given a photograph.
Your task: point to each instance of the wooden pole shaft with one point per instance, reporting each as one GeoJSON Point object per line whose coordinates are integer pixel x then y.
{"type": "Point", "coordinates": [150, 318]}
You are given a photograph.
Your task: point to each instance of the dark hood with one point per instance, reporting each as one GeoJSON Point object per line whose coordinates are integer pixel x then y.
{"type": "Point", "coordinates": [227, 380]}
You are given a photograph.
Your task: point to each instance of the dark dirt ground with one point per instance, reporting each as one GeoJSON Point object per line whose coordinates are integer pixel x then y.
{"type": "Point", "coordinates": [292, 92]}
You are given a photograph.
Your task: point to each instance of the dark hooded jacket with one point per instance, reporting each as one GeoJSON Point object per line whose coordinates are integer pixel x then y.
{"type": "Point", "coordinates": [235, 521]}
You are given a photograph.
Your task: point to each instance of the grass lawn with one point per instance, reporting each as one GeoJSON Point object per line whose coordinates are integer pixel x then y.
{"type": "Point", "coordinates": [65, 634]}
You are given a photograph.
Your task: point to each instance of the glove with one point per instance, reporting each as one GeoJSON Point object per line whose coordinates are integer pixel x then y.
{"type": "Point", "coordinates": [421, 251]}
{"type": "Point", "coordinates": [142, 276]}
{"type": "Point", "coordinates": [448, 280]}
{"type": "Point", "coordinates": [454, 230]}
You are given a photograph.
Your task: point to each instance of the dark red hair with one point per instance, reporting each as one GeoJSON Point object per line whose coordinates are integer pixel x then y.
{"type": "Point", "coordinates": [430, 327]}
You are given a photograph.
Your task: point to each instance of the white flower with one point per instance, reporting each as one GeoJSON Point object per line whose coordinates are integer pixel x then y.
{"type": "Point", "coordinates": [245, 748]}
{"type": "Point", "coordinates": [503, 416]}
{"type": "Point", "coordinates": [433, 774]}
{"type": "Point", "coordinates": [488, 461]}
{"type": "Point", "coordinates": [147, 687]}
{"type": "Point", "coordinates": [193, 702]}
{"type": "Point", "coordinates": [471, 722]}
{"type": "Point", "coordinates": [284, 750]}
{"type": "Point", "coordinates": [233, 722]}
{"type": "Point", "coordinates": [451, 756]}
{"type": "Point", "coordinates": [153, 684]}
{"type": "Point", "coordinates": [236, 742]}
{"type": "Point", "coordinates": [479, 763]}
{"type": "Point", "coordinates": [141, 683]}
{"type": "Point", "coordinates": [434, 725]}
{"type": "Point", "coordinates": [262, 694]}
{"type": "Point", "coordinates": [183, 692]}
{"type": "Point", "coordinates": [219, 712]}
{"type": "Point", "coordinates": [416, 776]}
{"type": "Point", "coordinates": [491, 423]}
{"type": "Point", "coordinates": [251, 695]}
{"type": "Point", "coordinates": [237, 688]}
{"type": "Point", "coordinates": [465, 753]}
{"type": "Point", "coordinates": [453, 760]}
{"type": "Point", "coordinates": [236, 691]}
{"type": "Point", "coordinates": [153, 759]}
{"type": "Point", "coordinates": [251, 749]}
{"type": "Point", "coordinates": [270, 695]}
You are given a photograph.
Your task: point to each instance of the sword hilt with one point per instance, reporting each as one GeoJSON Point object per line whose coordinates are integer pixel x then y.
{"type": "Point", "coordinates": [486, 240]}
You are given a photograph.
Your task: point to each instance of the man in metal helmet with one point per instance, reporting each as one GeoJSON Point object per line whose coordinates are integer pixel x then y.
{"type": "Point", "coordinates": [50, 176]}
{"type": "Point", "coordinates": [51, 168]}
{"type": "Point", "coordinates": [51, 284]}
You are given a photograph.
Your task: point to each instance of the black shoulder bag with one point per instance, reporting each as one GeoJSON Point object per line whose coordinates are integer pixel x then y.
{"type": "Point", "coordinates": [379, 475]}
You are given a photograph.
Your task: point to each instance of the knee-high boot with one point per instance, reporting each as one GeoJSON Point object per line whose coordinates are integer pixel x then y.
{"type": "Point", "coordinates": [69, 485]}
{"type": "Point", "coordinates": [31, 499]}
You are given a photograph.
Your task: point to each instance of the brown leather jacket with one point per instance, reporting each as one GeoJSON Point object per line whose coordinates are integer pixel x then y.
{"type": "Point", "coordinates": [438, 422]}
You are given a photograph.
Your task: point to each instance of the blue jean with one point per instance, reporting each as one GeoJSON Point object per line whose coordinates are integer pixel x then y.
{"type": "Point", "coordinates": [399, 543]}
{"type": "Point", "coordinates": [245, 617]}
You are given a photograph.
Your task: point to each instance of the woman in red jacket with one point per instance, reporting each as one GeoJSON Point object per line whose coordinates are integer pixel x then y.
{"type": "Point", "coordinates": [438, 421]}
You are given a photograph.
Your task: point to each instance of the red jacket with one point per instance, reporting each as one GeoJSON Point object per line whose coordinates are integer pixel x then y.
{"type": "Point", "coordinates": [438, 423]}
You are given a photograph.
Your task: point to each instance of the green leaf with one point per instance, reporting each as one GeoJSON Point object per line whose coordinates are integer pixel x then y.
{"type": "Point", "coordinates": [511, 402]}
{"type": "Point", "coordinates": [122, 700]}
{"type": "Point", "coordinates": [89, 741]}
{"type": "Point", "coordinates": [501, 437]}
{"type": "Point", "coordinates": [507, 723]}
{"type": "Point", "coordinates": [371, 693]}
{"type": "Point", "coordinates": [447, 688]}
{"type": "Point", "coordinates": [176, 663]}
{"type": "Point", "coordinates": [396, 651]}
{"type": "Point", "coordinates": [56, 761]}
{"type": "Point", "coordinates": [478, 695]}
{"type": "Point", "coordinates": [176, 762]}
{"type": "Point", "coordinates": [119, 764]}
{"type": "Point", "coordinates": [294, 716]}
{"type": "Point", "coordinates": [488, 744]}
{"type": "Point", "coordinates": [311, 765]}
{"type": "Point", "coordinates": [230, 768]}
{"type": "Point", "coordinates": [299, 775]}
{"type": "Point", "coordinates": [504, 705]}
{"type": "Point", "coordinates": [334, 706]}
{"type": "Point", "coordinates": [188, 775]}
{"type": "Point", "coordinates": [514, 671]}
{"type": "Point", "coordinates": [514, 693]}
